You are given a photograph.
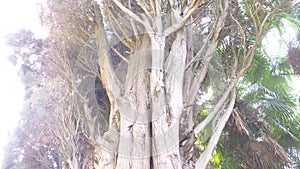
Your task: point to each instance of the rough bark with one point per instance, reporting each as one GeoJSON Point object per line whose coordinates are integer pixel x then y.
{"type": "Point", "coordinates": [135, 142]}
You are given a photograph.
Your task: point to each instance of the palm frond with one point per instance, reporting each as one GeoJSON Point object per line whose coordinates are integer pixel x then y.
{"type": "Point", "coordinates": [260, 154]}
{"type": "Point", "coordinates": [277, 109]}
{"type": "Point", "coordinates": [259, 69]}
{"type": "Point", "coordinates": [278, 150]}
{"type": "Point", "coordinates": [287, 130]}
{"type": "Point", "coordinates": [240, 124]}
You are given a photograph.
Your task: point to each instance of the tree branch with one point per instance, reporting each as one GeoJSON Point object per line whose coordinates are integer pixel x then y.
{"type": "Point", "coordinates": [129, 12]}
{"type": "Point", "coordinates": [144, 6]}
{"type": "Point", "coordinates": [108, 77]}
{"type": "Point", "coordinates": [211, 43]}
{"type": "Point", "coordinates": [206, 155]}
{"type": "Point", "coordinates": [120, 55]}
{"type": "Point", "coordinates": [179, 25]}
{"type": "Point", "coordinates": [217, 107]}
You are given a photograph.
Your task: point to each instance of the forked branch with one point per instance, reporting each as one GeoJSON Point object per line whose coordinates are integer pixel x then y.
{"type": "Point", "coordinates": [195, 4]}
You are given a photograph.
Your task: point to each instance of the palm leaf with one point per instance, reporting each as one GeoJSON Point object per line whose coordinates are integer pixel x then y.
{"type": "Point", "coordinates": [260, 154]}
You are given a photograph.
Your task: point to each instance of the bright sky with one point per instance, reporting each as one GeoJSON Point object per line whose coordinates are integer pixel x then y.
{"type": "Point", "coordinates": [14, 15]}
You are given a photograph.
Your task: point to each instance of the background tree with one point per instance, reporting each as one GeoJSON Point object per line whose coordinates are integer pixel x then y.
{"type": "Point", "coordinates": [30, 145]}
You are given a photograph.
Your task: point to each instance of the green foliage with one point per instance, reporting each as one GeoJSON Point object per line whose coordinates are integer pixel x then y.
{"type": "Point", "coordinates": [217, 158]}
{"type": "Point", "coordinates": [266, 87]}
{"type": "Point", "coordinates": [228, 154]}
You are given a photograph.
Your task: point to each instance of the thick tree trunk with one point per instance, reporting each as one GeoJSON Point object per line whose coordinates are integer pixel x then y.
{"type": "Point", "coordinates": [150, 102]}
{"type": "Point", "coordinates": [164, 112]}
{"type": "Point", "coordinates": [169, 105]}
{"type": "Point", "coordinates": [149, 107]}
{"type": "Point", "coordinates": [135, 143]}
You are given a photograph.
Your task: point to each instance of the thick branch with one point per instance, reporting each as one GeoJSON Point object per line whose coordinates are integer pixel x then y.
{"type": "Point", "coordinates": [129, 12]}
{"type": "Point", "coordinates": [217, 107]}
{"type": "Point", "coordinates": [206, 155]}
{"type": "Point", "coordinates": [144, 6]}
{"type": "Point", "coordinates": [179, 25]}
{"type": "Point", "coordinates": [211, 43]}
{"type": "Point", "coordinates": [107, 72]}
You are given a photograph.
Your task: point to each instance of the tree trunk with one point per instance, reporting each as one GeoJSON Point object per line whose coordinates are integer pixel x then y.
{"type": "Point", "coordinates": [135, 130]}
{"type": "Point", "coordinates": [149, 107]}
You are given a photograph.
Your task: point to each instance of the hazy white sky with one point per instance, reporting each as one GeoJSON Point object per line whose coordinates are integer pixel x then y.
{"type": "Point", "coordinates": [14, 15]}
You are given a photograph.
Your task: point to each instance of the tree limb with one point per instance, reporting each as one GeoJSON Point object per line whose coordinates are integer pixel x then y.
{"type": "Point", "coordinates": [179, 25]}
{"type": "Point", "coordinates": [144, 6]}
{"type": "Point", "coordinates": [211, 43]}
{"type": "Point", "coordinates": [110, 81]}
{"type": "Point", "coordinates": [129, 12]}
{"type": "Point", "coordinates": [206, 155]}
